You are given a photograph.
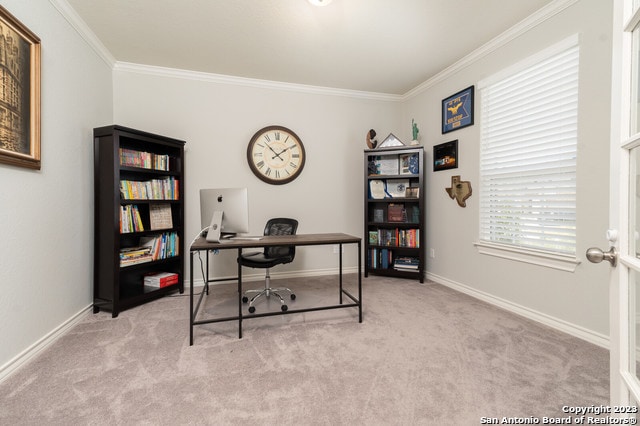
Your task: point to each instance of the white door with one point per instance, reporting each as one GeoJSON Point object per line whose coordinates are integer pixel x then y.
{"type": "Point", "coordinates": [624, 235]}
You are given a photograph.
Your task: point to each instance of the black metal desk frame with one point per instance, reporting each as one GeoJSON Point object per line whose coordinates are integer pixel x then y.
{"type": "Point", "coordinates": [290, 240]}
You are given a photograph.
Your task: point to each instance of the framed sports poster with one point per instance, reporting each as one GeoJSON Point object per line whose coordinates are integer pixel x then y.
{"type": "Point", "coordinates": [457, 110]}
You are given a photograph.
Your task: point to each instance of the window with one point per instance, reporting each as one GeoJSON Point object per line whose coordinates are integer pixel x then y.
{"type": "Point", "coordinates": [529, 130]}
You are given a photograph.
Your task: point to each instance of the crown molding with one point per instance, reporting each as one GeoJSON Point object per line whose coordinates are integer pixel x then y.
{"type": "Point", "coordinates": [250, 82]}
{"type": "Point", "coordinates": [70, 15]}
{"type": "Point", "coordinates": [544, 14]}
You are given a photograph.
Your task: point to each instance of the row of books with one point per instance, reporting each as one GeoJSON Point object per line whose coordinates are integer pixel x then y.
{"type": "Point", "coordinates": [155, 247]}
{"type": "Point", "coordinates": [144, 160]}
{"type": "Point", "coordinates": [395, 237]}
{"type": "Point", "coordinates": [155, 189]}
{"type": "Point", "coordinates": [383, 259]}
{"type": "Point", "coordinates": [130, 220]}
{"type": "Point", "coordinates": [379, 258]}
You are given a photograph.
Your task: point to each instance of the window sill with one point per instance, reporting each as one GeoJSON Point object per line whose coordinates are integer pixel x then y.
{"type": "Point", "coordinates": [549, 260]}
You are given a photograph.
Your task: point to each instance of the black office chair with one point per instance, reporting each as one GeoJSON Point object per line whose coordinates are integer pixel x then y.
{"type": "Point", "coordinates": [270, 257]}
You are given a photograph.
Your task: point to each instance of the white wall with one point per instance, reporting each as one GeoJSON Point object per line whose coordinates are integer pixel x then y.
{"type": "Point", "coordinates": [580, 298]}
{"type": "Point", "coordinates": [46, 216]}
{"type": "Point", "coordinates": [217, 119]}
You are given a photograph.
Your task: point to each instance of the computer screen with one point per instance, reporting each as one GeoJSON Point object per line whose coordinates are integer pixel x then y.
{"type": "Point", "coordinates": [234, 205]}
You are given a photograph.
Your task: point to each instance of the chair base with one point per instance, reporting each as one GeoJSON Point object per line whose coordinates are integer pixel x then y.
{"type": "Point", "coordinates": [266, 293]}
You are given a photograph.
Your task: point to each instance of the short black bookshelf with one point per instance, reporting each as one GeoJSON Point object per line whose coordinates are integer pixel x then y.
{"type": "Point", "coordinates": [139, 217]}
{"type": "Point", "coordinates": [394, 212]}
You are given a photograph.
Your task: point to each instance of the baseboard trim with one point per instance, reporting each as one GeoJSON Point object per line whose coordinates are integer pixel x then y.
{"type": "Point", "coordinates": [32, 351]}
{"type": "Point", "coordinates": [548, 320]}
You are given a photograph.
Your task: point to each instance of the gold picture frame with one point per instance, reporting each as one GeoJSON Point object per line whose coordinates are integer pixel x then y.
{"type": "Point", "coordinates": [20, 101]}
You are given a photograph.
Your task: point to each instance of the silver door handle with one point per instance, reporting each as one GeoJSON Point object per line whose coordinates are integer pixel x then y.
{"type": "Point", "coordinates": [596, 255]}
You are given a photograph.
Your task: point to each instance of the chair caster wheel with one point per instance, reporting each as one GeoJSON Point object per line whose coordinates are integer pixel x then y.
{"type": "Point", "coordinates": [245, 299]}
{"type": "Point", "coordinates": [284, 308]}
{"type": "Point", "coordinates": [252, 309]}
{"type": "Point", "coordinates": [293, 296]}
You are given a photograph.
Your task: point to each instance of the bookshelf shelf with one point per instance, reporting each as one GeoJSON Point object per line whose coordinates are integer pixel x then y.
{"type": "Point", "coordinates": [394, 212]}
{"type": "Point", "coordinates": [127, 160]}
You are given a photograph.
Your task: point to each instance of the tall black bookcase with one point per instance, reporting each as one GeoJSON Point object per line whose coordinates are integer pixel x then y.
{"type": "Point", "coordinates": [139, 217]}
{"type": "Point", "coordinates": [394, 212]}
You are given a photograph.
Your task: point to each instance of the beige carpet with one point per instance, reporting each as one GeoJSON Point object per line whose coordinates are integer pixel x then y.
{"type": "Point", "coordinates": [424, 355]}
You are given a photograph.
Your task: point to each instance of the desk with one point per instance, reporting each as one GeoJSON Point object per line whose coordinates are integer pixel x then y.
{"type": "Point", "coordinates": [201, 244]}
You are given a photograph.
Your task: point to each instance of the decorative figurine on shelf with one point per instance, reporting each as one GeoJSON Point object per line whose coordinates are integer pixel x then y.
{"type": "Point", "coordinates": [414, 131]}
{"type": "Point", "coordinates": [371, 139]}
{"type": "Point", "coordinates": [460, 190]}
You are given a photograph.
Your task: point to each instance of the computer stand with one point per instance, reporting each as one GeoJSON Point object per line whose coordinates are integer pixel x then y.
{"type": "Point", "coordinates": [215, 228]}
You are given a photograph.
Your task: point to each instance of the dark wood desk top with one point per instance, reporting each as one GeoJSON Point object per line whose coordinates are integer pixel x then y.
{"type": "Point", "coordinates": [282, 240]}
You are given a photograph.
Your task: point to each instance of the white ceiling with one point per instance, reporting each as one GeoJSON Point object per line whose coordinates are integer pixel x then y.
{"type": "Point", "coordinates": [383, 46]}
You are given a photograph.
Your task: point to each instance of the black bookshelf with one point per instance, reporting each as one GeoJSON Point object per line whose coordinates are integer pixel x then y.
{"type": "Point", "coordinates": [394, 212]}
{"type": "Point", "coordinates": [156, 164]}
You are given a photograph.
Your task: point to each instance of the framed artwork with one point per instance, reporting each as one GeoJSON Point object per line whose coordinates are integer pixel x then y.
{"type": "Point", "coordinates": [20, 99]}
{"type": "Point", "coordinates": [445, 156]}
{"type": "Point", "coordinates": [409, 164]}
{"type": "Point", "coordinates": [457, 110]}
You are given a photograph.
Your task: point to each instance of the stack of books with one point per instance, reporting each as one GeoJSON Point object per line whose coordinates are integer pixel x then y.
{"type": "Point", "coordinates": [410, 264]}
{"type": "Point", "coordinates": [134, 255]}
{"type": "Point", "coordinates": [160, 279]}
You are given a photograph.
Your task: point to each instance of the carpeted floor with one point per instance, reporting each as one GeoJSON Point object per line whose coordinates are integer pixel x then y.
{"type": "Point", "coordinates": [424, 355]}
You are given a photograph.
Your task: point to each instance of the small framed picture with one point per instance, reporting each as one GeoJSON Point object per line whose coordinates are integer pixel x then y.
{"type": "Point", "coordinates": [457, 110]}
{"type": "Point", "coordinates": [413, 192]}
{"type": "Point", "coordinates": [445, 156]}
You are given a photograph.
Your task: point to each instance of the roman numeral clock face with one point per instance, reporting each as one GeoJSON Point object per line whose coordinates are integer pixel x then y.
{"type": "Point", "coordinates": [276, 155]}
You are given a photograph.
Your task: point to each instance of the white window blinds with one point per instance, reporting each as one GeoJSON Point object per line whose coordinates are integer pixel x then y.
{"type": "Point", "coordinates": [528, 155]}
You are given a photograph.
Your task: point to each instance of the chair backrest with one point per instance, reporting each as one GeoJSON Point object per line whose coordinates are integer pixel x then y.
{"type": "Point", "coordinates": [280, 226]}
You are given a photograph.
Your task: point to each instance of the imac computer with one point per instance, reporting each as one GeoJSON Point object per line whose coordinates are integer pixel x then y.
{"type": "Point", "coordinates": [225, 211]}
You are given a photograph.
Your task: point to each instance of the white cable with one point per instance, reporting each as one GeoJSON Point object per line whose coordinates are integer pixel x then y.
{"type": "Point", "coordinates": [198, 235]}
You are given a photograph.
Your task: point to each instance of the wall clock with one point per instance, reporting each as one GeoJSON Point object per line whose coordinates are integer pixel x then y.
{"type": "Point", "coordinates": [276, 155]}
